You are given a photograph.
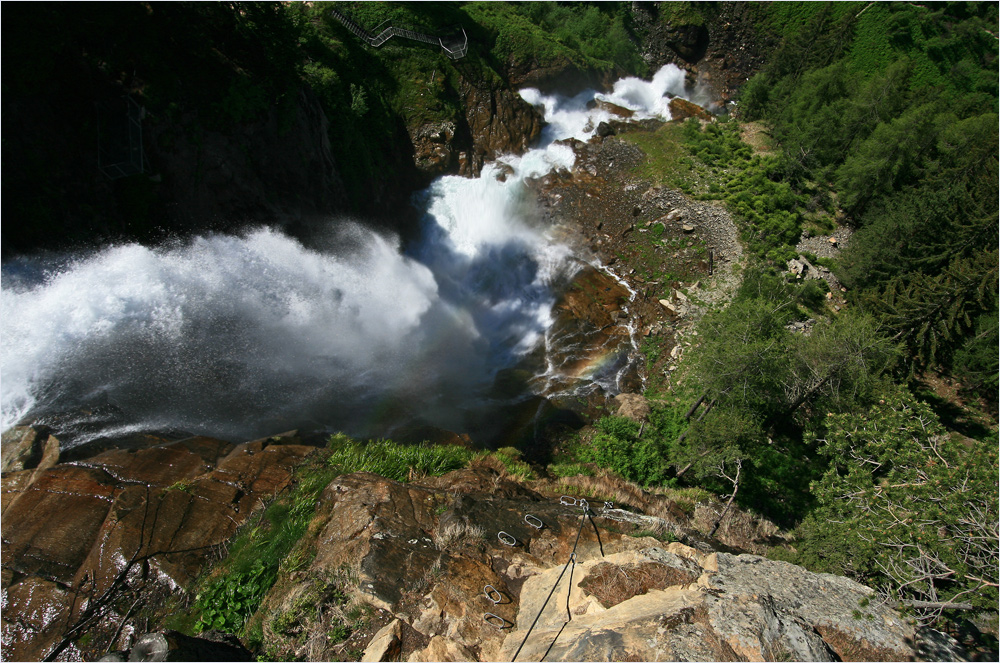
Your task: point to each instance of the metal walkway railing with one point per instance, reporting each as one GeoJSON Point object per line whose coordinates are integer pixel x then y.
{"type": "Point", "coordinates": [455, 46]}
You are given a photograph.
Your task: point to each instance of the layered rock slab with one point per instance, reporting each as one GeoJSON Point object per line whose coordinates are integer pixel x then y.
{"type": "Point", "coordinates": [694, 606]}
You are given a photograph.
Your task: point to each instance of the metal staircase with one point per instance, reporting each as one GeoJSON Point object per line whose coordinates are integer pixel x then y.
{"type": "Point", "coordinates": [456, 46]}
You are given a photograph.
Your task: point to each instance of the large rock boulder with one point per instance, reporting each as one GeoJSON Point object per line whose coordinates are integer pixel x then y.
{"type": "Point", "coordinates": [682, 109]}
{"type": "Point", "coordinates": [675, 603]}
{"type": "Point", "coordinates": [433, 147]}
{"type": "Point", "coordinates": [26, 448]}
{"type": "Point", "coordinates": [590, 335]}
{"type": "Point", "coordinates": [632, 406]}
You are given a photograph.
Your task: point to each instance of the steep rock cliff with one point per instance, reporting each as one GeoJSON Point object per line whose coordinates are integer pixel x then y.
{"type": "Point", "coordinates": [450, 568]}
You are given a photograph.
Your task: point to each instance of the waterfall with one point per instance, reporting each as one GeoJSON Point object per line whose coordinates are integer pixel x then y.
{"type": "Point", "coordinates": [246, 334]}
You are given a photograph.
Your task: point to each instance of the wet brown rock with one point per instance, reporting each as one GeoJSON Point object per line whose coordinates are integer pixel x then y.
{"type": "Point", "coordinates": [159, 466]}
{"type": "Point", "coordinates": [14, 483]}
{"type": "Point", "coordinates": [432, 147]}
{"type": "Point", "coordinates": [590, 332]}
{"type": "Point", "coordinates": [144, 520]}
{"type": "Point", "coordinates": [614, 109]}
{"type": "Point", "coordinates": [49, 528]}
{"type": "Point", "coordinates": [34, 609]}
{"type": "Point", "coordinates": [592, 297]}
{"type": "Point", "coordinates": [499, 121]}
{"type": "Point", "coordinates": [682, 109]}
{"type": "Point", "coordinates": [260, 468]}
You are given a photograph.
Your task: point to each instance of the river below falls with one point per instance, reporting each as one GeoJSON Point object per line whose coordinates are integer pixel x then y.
{"type": "Point", "coordinates": [244, 335]}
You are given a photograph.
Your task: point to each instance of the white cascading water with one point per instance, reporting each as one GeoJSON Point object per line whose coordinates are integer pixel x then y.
{"type": "Point", "coordinates": [241, 335]}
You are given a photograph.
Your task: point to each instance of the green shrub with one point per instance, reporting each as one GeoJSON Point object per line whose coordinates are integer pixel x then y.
{"type": "Point", "coordinates": [511, 460]}
{"type": "Point", "coordinates": [755, 187]}
{"type": "Point", "coordinates": [904, 506]}
{"type": "Point", "coordinates": [645, 460]}
{"type": "Point", "coordinates": [227, 602]}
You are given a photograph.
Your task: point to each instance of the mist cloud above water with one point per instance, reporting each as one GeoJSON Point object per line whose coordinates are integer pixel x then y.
{"type": "Point", "coordinates": [245, 335]}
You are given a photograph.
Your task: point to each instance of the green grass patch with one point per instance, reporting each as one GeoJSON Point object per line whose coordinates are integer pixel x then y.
{"type": "Point", "coordinates": [396, 461]}
{"type": "Point", "coordinates": [510, 458]}
{"type": "Point", "coordinates": [665, 153]}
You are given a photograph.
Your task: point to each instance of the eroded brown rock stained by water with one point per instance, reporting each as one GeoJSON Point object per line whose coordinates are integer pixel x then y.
{"type": "Point", "coordinates": [150, 518]}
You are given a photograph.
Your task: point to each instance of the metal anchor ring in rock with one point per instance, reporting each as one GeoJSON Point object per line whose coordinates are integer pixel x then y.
{"type": "Point", "coordinates": [419, 555]}
{"type": "Point", "coordinates": [424, 552]}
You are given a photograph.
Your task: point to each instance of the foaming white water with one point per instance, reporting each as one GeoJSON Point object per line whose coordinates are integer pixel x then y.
{"type": "Point", "coordinates": [244, 335]}
{"type": "Point", "coordinates": [649, 98]}
{"type": "Point", "coordinates": [225, 327]}
{"type": "Point", "coordinates": [577, 117]}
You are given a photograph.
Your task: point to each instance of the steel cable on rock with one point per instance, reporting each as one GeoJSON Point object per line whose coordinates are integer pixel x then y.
{"type": "Point", "coordinates": [571, 565]}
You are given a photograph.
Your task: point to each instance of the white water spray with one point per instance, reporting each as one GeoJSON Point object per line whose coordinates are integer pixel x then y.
{"type": "Point", "coordinates": [244, 335]}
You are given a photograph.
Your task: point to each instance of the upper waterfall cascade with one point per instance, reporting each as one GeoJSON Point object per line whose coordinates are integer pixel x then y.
{"type": "Point", "coordinates": [240, 335]}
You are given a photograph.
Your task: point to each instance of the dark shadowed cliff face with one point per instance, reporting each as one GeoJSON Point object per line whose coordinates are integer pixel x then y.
{"type": "Point", "coordinates": [211, 159]}
{"type": "Point", "coordinates": [237, 127]}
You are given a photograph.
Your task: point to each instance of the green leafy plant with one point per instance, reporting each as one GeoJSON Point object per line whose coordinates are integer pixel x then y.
{"type": "Point", "coordinates": [907, 508]}
{"type": "Point", "coordinates": [643, 459]}
{"type": "Point", "coordinates": [227, 602]}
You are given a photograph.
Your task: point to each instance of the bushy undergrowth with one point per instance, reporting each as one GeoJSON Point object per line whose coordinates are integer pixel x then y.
{"type": "Point", "coordinates": [768, 206]}
{"type": "Point", "coordinates": [256, 554]}
{"type": "Point", "coordinates": [893, 108]}
{"type": "Point", "coordinates": [644, 459]}
{"type": "Point", "coordinates": [588, 35]}
{"type": "Point", "coordinates": [510, 459]}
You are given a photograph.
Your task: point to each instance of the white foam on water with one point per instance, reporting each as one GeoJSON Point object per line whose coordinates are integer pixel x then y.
{"type": "Point", "coordinates": [237, 335]}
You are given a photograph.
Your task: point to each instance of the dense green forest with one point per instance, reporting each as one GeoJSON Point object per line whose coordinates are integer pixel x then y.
{"type": "Point", "coordinates": [883, 117]}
